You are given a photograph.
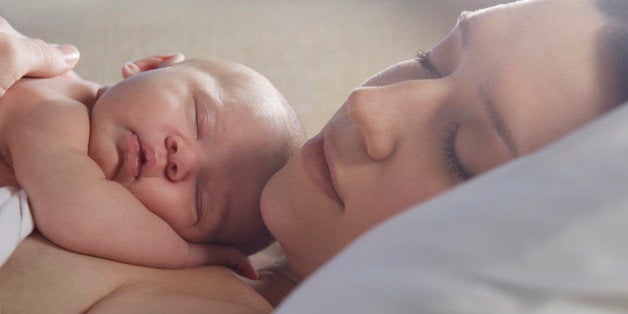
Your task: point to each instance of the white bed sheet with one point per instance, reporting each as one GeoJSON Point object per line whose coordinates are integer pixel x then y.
{"type": "Point", "coordinates": [547, 233]}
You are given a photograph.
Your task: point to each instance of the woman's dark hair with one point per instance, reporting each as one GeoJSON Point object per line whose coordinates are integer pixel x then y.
{"type": "Point", "coordinates": [615, 41]}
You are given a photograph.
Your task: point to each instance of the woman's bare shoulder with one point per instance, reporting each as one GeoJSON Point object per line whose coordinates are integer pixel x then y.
{"type": "Point", "coordinates": [41, 277]}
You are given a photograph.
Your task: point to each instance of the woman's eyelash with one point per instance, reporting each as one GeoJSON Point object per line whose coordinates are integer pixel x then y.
{"type": "Point", "coordinates": [451, 158]}
{"type": "Point", "coordinates": [421, 57]}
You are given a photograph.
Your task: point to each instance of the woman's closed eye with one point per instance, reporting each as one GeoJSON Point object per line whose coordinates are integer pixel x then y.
{"type": "Point", "coordinates": [455, 167]}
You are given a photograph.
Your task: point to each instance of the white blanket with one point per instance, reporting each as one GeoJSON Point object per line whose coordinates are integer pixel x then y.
{"type": "Point", "coordinates": [15, 220]}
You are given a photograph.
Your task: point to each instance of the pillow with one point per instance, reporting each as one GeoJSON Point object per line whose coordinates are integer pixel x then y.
{"type": "Point", "coordinates": [543, 234]}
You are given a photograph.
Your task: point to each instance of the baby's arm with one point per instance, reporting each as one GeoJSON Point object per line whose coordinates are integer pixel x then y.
{"type": "Point", "coordinates": [76, 207]}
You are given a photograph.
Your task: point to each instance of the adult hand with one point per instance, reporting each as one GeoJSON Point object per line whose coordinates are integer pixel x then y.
{"type": "Point", "coordinates": [22, 56]}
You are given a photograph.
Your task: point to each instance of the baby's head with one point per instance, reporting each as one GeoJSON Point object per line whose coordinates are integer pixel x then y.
{"type": "Point", "coordinates": [195, 143]}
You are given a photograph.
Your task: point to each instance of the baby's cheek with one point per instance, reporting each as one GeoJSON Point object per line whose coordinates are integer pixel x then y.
{"type": "Point", "coordinates": [168, 203]}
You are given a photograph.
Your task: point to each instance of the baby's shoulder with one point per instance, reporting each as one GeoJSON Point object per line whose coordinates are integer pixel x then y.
{"type": "Point", "coordinates": [44, 109]}
{"type": "Point", "coordinates": [68, 86]}
{"type": "Point", "coordinates": [61, 93]}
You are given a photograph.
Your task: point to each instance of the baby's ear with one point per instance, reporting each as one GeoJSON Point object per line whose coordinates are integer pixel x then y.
{"type": "Point", "coordinates": [151, 63]}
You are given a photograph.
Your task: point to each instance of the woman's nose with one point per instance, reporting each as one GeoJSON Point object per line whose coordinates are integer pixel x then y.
{"type": "Point", "coordinates": [367, 111]}
{"type": "Point", "coordinates": [181, 159]}
{"type": "Point", "coordinates": [389, 114]}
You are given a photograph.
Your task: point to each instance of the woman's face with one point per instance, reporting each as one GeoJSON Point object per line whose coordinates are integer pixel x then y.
{"type": "Point", "coordinates": [503, 83]}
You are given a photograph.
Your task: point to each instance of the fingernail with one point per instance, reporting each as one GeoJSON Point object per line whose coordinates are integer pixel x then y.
{"type": "Point", "coordinates": [131, 68]}
{"type": "Point", "coordinates": [176, 57]}
{"type": "Point", "coordinates": [70, 53]}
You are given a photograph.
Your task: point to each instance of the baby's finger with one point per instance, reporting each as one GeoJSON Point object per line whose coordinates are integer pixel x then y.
{"type": "Point", "coordinates": [151, 63]}
{"type": "Point", "coordinates": [234, 259]}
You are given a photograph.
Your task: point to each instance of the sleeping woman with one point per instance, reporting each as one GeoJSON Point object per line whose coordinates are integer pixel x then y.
{"type": "Point", "coordinates": [505, 82]}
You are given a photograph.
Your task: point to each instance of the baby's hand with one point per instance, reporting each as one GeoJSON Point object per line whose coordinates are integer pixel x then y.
{"type": "Point", "coordinates": [211, 254]}
{"type": "Point", "coordinates": [151, 63]}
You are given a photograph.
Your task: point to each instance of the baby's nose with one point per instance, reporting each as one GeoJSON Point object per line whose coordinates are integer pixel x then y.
{"type": "Point", "coordinates": [181, 161]}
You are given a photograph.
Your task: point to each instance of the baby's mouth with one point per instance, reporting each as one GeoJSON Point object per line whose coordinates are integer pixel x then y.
{"type": "Point", "coordinates": [146, 160]}
{"type": "Point", "coordinates": [143, 156]}
{"type": "Point", "coordinates": [142, 159]}
{"type": "Point", "coordinates": [134, 153]}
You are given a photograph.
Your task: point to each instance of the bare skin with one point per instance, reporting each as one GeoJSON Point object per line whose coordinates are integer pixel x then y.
{"type": "Point", "coordinates": [44, 135]}
{"type": "Point", "coordinates": [92, 284]}
{"type": "Point", "coordinates": [76, 283]}
{"type": "Point", "coordinates": [381, 144]}
{"type": "Point", "coordinates": [66, 282]}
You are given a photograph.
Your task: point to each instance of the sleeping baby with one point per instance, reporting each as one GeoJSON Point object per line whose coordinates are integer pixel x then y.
{"type": "Point", "coordinates": [164, 169]}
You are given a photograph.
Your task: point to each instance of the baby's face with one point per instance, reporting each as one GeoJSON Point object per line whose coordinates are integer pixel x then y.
{"type": "Point", "coordinates": [195, 143]}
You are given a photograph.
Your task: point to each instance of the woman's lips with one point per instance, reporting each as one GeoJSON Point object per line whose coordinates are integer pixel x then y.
{"type": "Point", "coordinates": [317, 168]}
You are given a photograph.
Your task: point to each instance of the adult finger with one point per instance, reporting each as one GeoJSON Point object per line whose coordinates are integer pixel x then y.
{"type": "Point", "coordinates": [32, 57]}
{"type": "Point", "coordinates": [46, 60]}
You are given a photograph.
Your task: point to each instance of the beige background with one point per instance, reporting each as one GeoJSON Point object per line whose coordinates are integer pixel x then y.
{"type": "Point", "coordinates": [315, 52]}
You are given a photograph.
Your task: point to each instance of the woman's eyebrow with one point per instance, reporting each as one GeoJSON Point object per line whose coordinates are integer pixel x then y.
{"type": "Point", "coordinates": [490, 109]}
{"type": "Point", "coordinates": [423, 58]}
{"type": "Point", "coordinates": [496, 120]}
{"type": "Point", "coordinates": [462, 25]}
